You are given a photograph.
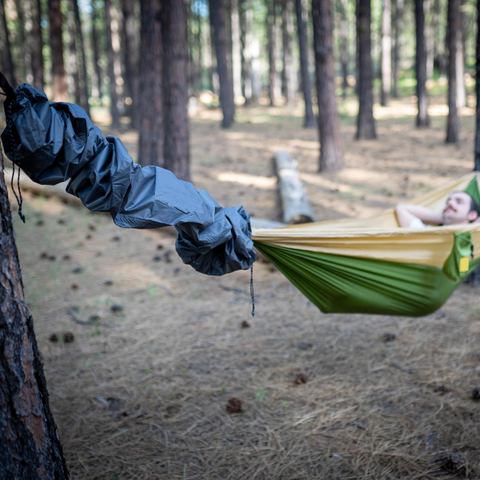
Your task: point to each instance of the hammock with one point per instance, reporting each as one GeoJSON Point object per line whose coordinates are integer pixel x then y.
{"type": "Point", "coordinates": [374, 266]}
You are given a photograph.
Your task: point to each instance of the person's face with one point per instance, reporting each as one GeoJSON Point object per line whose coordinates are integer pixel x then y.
{"type": "Point", "coordinates": [457, 209]}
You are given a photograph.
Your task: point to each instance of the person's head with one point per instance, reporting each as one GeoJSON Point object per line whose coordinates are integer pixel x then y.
{"type": "Point", "coordinates": [460, 208]}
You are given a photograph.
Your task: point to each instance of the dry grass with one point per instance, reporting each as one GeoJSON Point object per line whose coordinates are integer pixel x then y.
{"type": "Point", "coordinates": [145, 396]}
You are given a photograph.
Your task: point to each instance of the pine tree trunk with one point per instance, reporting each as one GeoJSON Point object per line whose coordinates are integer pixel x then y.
{"type": "Point", "coordinates": [453, 28]}
{"type": "Point", "coordinates": [199, 62]}
{"type": "Point", "coordinates": [236, 60]}
{"type": "Point", "coordinates": [288, 72]}
{"type": "Point", "coordinates": [344, 46]}
{"type": "Point", "coordinates": [74, 59]}
{"type": "Point", "coordinates": [246, 19]}
{"type": "Point", "coordinates": [23, 47]}
{"type": "Point", "coordinates": [460, 63]}
{"type": "Point", "coordinates": [111, 67]}
{"type": "Point", "coordinates": [218, 21]}
{"type": "Point", "coordinates": [150, 139]}
{"type": "Point", "coordinates": [477, 91]}
{"type": "Point", "coordinates": [29, 444]}
{"type": "Point", "coordinates": [331, 150]}
{"type": "Point", "coordinates": [96, 50]}
{"type": "Point", "coordinates": [271, 41]}
{"type": "Point", "coordinates": [386, 53]}
{"type": "Point", "coordinates": [37, 45]}
{"type": "Point", "coordinates": [397, 27]}
{"type": "Point", "coordinates": [176, 151]}
{"type": "Point", "coordinates": [428, 32]}
{"type": "Point", "coordinates": [421, 65]}
{"type": "Point", "coordinates": [130, 55]}
{"type": "Point", "coordinates": [5, 48]}
{"type": "Point", "coordinates": [366, 122]}
{"type": "Point", "coordinates": [59, 81]}
{"type": "Point", "coordinates": [309, 121]}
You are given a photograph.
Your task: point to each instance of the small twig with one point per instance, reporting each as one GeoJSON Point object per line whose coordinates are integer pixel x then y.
{"type": "Point", "coordinates": [403, 369]}
{"type": "Point", "coordinates": [148, 287]}
{"type": "Point", "coordinates": [91, 321]}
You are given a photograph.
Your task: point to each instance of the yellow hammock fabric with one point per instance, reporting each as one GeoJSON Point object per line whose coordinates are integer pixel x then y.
{"type": "Point", "coordinates": [315, 257]}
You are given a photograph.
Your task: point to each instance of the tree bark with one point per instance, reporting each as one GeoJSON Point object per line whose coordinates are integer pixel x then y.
{"type": "Point", "coordinates": [421, 65]}
{"type": "Point", "coordinates": [429, 38]}
{"type": "Point", "coordinates": [397, 27]}
{"type": "Point", "coordinates": [96, 50]}
{"type": "Point", "coordinates": [130, 55]}
{"type": "Point", "coordinates": [218, 23]}
{"type": "Point", "coordinates": [85, 91]}
{"type": "Point", "coordinates": [73, 64]}
{"type": "Point", "coordinates": [150, 140]}
{"type": "Point", "coordinates": [236, 54]}
{"type": "Point", "coordinates": [453, 28]}
{"type": "Point", "coordinates": [331, 150]}
{"type": "Point", "coordinates": [22, 41]}
{"type": "Point", "coordinates": [59, 81]}
{"type": "Point", "coordinates": [29, 444]}
{"type": "Point", "coordinates": [460, 62]}
{"type": "Point", "coordinates": [176, 151]}
{"type": "Point", "coordinates": [386, 53]}
{"type": "Point", "coordinates": [271, 41]}
{"type": "Point", "coordinates": [199, 60]}
{"type": "Point", "coordinates": [37, 46]}
{"type": "Point", "coordinates": [309, 121]}
{"type": "Point", "coordinates": [288, 72]}
{"type": "Point", "coordinates": [8, 68]}
{"type": "Point", "coordinates": [246, 20]}
{"type": "Point", "coordinates": [477, 91]}
{"type": "Point", "coordinates": [366, 122]}
{"type": "Point", "coordinates": [344, 46]}
{"type": "Point", "coordinates": [111, 67]}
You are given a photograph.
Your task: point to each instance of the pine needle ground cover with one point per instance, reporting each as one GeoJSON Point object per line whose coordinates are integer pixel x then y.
{"type": "Point", "coordinates": [156, 353]}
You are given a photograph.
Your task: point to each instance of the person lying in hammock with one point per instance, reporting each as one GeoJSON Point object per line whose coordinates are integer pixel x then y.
{"type": "Point", "coordinates": [460, 208]}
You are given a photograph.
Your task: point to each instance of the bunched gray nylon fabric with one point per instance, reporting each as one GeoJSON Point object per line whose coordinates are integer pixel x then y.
{"type": "Point", "coordinates": [57, 142]}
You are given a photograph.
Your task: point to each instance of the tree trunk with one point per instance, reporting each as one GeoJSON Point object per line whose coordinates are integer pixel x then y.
{"type": "Point", "coordinates": [130, 55]}
{"type": "Point", "coordinates": [8, 68]}
{"type": "Point", "coordinates": [96, 50]}
{"type": "Point", "coordinates": [111, 67]}
{"type": "Point", "coordinates": [366, 122]}
{"type": "Point", "coordinates": [331, 150]}
{"type": "Point", "coordinates": [271, 41]}
{"type": "Point", "coordinates": [30, 448]}
{"type": "Point", "coordinates": [199, 61]}
{"type": "Point", "coordinates": [452, 34]}
{"type": "Point", "coordinates": [288, 72]}
{"type": "Point", "coordinates": [150, 139]}
{"type": "Point", "coordinates": [344, 46]}
{"type": "Point", "coordinates": [246, 20]}
{"type": "Point", "coordinates": [73, 64]}
{"type": "Point", "coordinates": [236, 60]}
{"type": "Point", "coordinates": [421, 65]}
{"type": "Point", "coordinates": [460, 63]}
{"type": "Point", "coordinates": [428, 32]}
{"type": "Point", "coordinates": [386, 52]}
{"type": "Point", "coordinates": [309, 121]}
{"type": "Point", "coordinates": [218, 22]}
{"type": "Point", "coordinates": [59, 81]}
{"type": "Point", "coordinates": [477, 91]}
{"type": "Point", "coordinates": [37, 45]}
{"type": "Point", "coordinates": [176, 152]}
{"type": "Point", "coordinates": [397, 26]}
{"type": "Point", "coordinates": [23, 47]}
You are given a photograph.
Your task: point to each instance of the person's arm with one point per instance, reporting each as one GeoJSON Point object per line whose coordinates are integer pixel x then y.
{"type": "Point", "coordinates": [407, 213]}
{"type": "Point", "coordinates": [58, 141]}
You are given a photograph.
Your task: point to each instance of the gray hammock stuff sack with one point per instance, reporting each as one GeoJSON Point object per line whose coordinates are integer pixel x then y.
{"type": "Point", "coordinates": [56, 142]}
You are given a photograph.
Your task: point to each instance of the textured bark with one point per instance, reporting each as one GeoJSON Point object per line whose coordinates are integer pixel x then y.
{"type": "Point", "coordinates": [22, 41]}
{"type": "Point", "coordinates": [477, 91]}
{"type": "Point", "coordinates": [82, 65]}
{"type": "Point", "coordinates": [460, 61]}
{"type": "Point", "coordinates": [150, 140]}
{"type": "Point", "coordinates": [271, 50]}
{"type": "Point", "coordinates": [421, 65]}
{"type": "Point", "coordinates": [112, 83]}
{"type": "Point", "coordinates": [29, 444]}
{"type": "Point", "coordinates": [73, 64]}
{"type": "Point", "coordinates": [8, 68]}
{"type": "Point", "coordinates": [344, 46]}
{"type": "Point", "coordinates": [288, 71]}
{"type": "Point", "coordinates": [397, 27]}
{"type": "Point", "coordinates": [453, 28]}
{"type": "Point", "coordinates": [386, 52]}
{"type": "Point", "coordinates": [176, 151]}
{"type": "Point", "coordinates": [218, 23]}
{"type": "Point", "coordinates": [37, 46]}
{"type": "Point", "coordinates": [366, 122]}
{"type": "Point", "coordinates": [331, 150]}
{"type": "Point", "coordinates": [246, 21]}
{"type": "Point", "coordinates": [130, 59]}
{"type": "Point", "coordinates": [59, 81]}
{"type": "Point", "coordinates": [428, 32]}
{"type": "Point", "coordinates": [96, 50]}
{"type": "Point", "coordinates": [309, 121]}
{"type": "Point", "coordinates": [236, 54]}
{"type": "Point", "coordinates": [199, 59]}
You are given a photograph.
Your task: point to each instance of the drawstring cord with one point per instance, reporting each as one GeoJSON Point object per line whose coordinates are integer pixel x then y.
{"type": "Point", "coordinates": [252, 293]}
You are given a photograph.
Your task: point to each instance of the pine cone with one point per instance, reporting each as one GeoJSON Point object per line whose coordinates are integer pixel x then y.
{"type": "Point", "coordinates": [234, 405]}
{"type": "Point", "coordinates": [68, 337]}
{"type": "Point", "coordinates": [441, 389]}
{"type": "Point", "coordinates": [53, 337]}
{"type": "Point", "coordinates": [301, 378]}
{"type": "Point", "coordinates": [452, 463]}
{"type": "Point", "coordinates": [245, 324]}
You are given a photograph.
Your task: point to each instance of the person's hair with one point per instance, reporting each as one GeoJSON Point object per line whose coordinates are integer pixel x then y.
{"type": "Point", "coordinates": [474, 207]}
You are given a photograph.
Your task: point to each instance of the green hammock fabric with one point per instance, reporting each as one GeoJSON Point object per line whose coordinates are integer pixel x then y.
{"type": "Point", "coordinates": [340, 284]}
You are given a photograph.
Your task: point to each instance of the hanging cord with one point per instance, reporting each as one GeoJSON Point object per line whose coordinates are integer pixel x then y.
{"type": "Point", "coordinates": [252, 293]}
{"type": "Point", "coordinates": [9, 92]}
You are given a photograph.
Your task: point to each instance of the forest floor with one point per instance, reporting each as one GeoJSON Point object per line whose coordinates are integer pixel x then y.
{"type": "Point", "coordinates": [141, 392]}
